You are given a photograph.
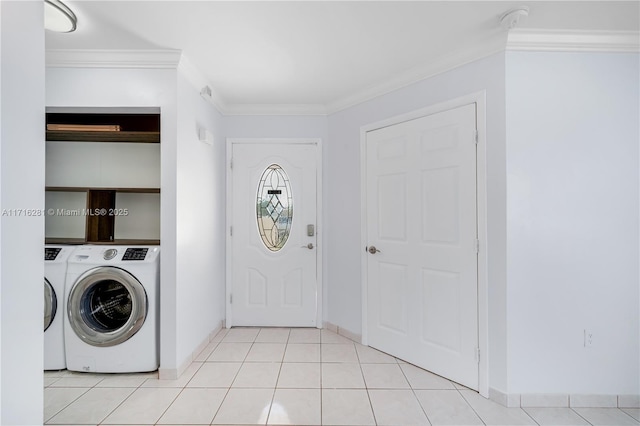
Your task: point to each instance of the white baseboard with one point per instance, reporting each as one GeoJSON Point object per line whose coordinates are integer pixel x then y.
{"type": "Point", "coordinates": [549, 400]}
{"type": "Point", "coordinates": [506, 400]}
{"type": "Point", "coordinates": [342, 331]}
{"type": "Point", "coordinates": [174, 373]}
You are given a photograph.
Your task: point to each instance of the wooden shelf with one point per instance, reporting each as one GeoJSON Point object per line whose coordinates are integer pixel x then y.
{"type": "Point", "coordinates": [102, 126]}
{"type": "Point", "coordinates": [132, 137]}
{"type": "Point", "coordinates": [59, 240]}
{"type": "Point", "coordinates": [136, 128]}
{"type": "Point", "coordinates": [122, 242]}
{"type": "Point", "coordinates": [85, 189]}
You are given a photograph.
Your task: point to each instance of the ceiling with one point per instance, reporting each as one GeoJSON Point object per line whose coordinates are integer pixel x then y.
{"type": "Point", "coordinates": [324, 55]}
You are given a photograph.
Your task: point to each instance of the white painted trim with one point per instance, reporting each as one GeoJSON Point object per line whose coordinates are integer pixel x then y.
{"type": "Point", "coordinates": [550, 400]}
{"type": "Point", "coordinates": [506, 400]}
{"type": "Point", "coordinates": [479, 98]}
{"type": "Point", "coordinates": [199, 81]}
{"type": "Point", "coordinates": [99, 58]}
{"type": "Point", "coordinates": [102, 110]}
{"type": "Point", "coordinates": [628, 401]}
{"type": "Point", "coordinates": [342, 332]}
{"type": "Point", "coordinates": [544, 400]}
{"type": "Point", "coordinates": [228, 322]}
{"type": "Point", "coordinates": [573, 40]}
{"type": "Point", "coordinates": [319, 218]}
{"type": "Point", "coordinates": [515, 40]}
{"type": "Point", "coordinates": [416, 74]}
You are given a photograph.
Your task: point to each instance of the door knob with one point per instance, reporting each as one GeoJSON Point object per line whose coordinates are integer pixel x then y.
{"type": "Point", "coordinates": [373, 250]}
{"type": "Point", "coordinates": [308, 246]}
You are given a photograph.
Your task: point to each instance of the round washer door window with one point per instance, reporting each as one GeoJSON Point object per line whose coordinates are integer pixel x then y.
{"type": "Point", "coordinates": [50, 304]}
{"type": "Point", "coordinates": [106, 306]}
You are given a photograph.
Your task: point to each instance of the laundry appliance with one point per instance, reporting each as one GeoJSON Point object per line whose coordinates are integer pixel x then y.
{"type": "Point", "coordinates": [113, 303]}
{"type": "Point", "coordinates": [55, 273]}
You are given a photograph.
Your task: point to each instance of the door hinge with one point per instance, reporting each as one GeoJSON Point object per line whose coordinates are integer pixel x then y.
{"type": "Point", "coordinates": [475, 137]}
{"type": "Point", "coordinates": [231, 164]}
{"type": "Point", "coordinates": [231, 298]}
{"type": "Point", "coordinates": [478, 355]}
{"type": "Point", "coordinates": [231, 231]}
{"type": "Point", "coordinates": [477, 246]}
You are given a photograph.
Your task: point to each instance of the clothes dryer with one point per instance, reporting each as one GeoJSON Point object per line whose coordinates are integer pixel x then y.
{"type": "Point", "coordinates": [55, 271]}
{"type": "Point", "coordinates": [113, 300]}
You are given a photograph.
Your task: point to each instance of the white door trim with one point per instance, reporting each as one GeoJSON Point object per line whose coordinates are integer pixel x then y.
{"type": "Point", "coordinates": [229, 213]}
{"type": "Point", "coordinates": [479, 98]}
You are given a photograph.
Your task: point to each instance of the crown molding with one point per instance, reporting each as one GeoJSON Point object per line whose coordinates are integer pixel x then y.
{"type": "Point", "coordinates": [573, 41]}
{"type": "Point", "coordinates": [513, 40]}
{"type": "Point", "coordinates": [478, 51]}
{"type": "Point", "coordinates": [101, 58]}
{"type": "Point", "coordinates": [199, 82]}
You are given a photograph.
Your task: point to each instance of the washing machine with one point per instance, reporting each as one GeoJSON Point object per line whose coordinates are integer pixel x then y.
{"type": "Point", "coordinates": [112, 314]}
{"type": "Point", "coordinates": [55, 273]}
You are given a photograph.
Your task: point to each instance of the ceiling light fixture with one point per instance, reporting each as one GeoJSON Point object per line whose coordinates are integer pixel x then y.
{"type": "Point", "coordinates": [58, 17]}
{"type": "Point", "coordinates": [510, 18]}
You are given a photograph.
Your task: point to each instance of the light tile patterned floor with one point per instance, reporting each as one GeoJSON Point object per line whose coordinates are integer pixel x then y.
{"type": "Point", "coordinates": [292, 376]}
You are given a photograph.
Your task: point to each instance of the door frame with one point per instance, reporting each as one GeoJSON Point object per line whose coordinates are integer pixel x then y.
{"type": "Point", "coordinates": [479, 98]}
{"type": "Point", "coordinates": [229, 212]}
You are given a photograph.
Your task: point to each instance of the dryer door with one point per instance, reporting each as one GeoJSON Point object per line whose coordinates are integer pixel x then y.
{"type": "Point", "coordinates": [50, 304]}
{"type": "Point", "coordinates": [106, 306]}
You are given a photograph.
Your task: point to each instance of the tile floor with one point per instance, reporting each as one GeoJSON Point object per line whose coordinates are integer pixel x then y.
{"type": "Point", "coordinates": [292, 376]}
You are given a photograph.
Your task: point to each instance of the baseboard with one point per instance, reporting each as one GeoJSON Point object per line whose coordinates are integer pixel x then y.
{"type": "Point", "coordinates": [342, 331]}
{"type": "Point", "coordinates": [174, 373]}
{"type": "Point", "coordinates": [506, 400]}
{"type": "Point", "coordinates": [551, 400]}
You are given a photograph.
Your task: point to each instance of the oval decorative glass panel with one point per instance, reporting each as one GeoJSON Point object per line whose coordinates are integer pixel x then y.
{"type": "Point", "coordinates": [274, 207]}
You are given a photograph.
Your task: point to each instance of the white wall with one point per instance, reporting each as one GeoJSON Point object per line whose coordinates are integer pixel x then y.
{"type": "Point", "coordinates": [77, 87]}
{"type": "Point", "coordinates": [276, 126]}
{"type": "Point", "coordinates": [200, 221]}
{"type": "Point", "coordinates": [22, 154]}
{"type": "Point", "coordinates": [342, 188]}
{"type": "Point", "coordinates": [572, 202]}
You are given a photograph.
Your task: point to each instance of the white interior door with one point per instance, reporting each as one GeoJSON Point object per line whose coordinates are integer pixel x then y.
{"type": "Point", "coordinates": [274, 244]}
{"type": "Point", "coordinates": [422, 236]}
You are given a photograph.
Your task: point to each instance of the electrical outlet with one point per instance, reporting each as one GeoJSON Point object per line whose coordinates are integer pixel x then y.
{"type": "Point", "coordinates": [588, 338]}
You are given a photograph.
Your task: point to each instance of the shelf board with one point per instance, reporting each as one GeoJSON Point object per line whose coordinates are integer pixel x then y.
{"type": "Point", "coordinates": [125, 242]}
{"type": "Point", "coordinates": [135, 137]}
{"type": "Point", "coordinates": [59, 240]}
{"type": "Point", "coordinates": [86, 189]}
{"type": "Point", "coordinates": [121, 242]}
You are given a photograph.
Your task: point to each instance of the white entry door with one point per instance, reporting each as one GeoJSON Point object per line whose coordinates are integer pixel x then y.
{"type": "Point", "coordinates": [273, 234]}
{"type": "Point", "coordinates": [422, 243]}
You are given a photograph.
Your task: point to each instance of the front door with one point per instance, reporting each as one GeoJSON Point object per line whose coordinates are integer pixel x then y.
{"type": "Point", "coordinates": [422, 236]}
{"type": "Point", "coordinates": [273, 234]}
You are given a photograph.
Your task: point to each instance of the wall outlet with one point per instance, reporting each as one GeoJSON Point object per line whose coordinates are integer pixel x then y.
{"type": "Point", "coordinates": [588, 338]}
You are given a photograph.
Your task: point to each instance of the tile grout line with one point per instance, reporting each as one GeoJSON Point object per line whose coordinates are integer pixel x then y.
{"type": "Point", "coordinates": [528, 415]}
{"type": "Point", "coordinates": [172, 401]}
{"type": "Point", "coordinates": [122, 402]}
{"type": "Point", "coordinates": [633, 418]}
{"type": "Point", "coordinates": [234, 377]}
{"type": "Point", "coordinates": [66, 406]}
{"type": "Point", "coordinates": [366, 387]}
{"type": "Point", "coordinates": [228, 389]}
{"type": "Point", "coordinates": [470, 406]}
{"type": "Point", "coordinates": [416, 396]}
{"type": "Point", "coordinates": [275, 386]}
{"type": "Point", "coordinates": [579, 415]}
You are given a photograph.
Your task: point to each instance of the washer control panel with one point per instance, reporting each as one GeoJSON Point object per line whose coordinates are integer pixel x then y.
{"type": "Point", "coordinates": [50, 253]}
{"type": "Point", "coordinates": [135, 253]}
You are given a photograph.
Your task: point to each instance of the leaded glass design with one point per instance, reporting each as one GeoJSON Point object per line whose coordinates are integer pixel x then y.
{"type": "Point", "coordinates": [274, 207]}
